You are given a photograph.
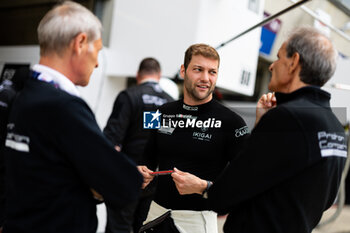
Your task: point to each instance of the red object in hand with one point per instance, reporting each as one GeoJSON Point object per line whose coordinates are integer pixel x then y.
{"type": "Point", "coordinates": [168, 172]}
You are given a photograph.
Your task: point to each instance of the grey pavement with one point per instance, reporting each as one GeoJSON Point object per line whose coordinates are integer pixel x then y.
{"type": "Point", "coordinates": [340, 225]}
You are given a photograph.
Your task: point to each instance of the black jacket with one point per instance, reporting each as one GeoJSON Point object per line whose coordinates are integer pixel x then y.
{"type": "Point", "coordinates": [125, 124]}
{"type": "Point", "coordinates": [8, 91]}
{"type": "Point", "coordinates": [202, 150]}
{"type": "Point", "coordinates": [289, 172]}
{"type": "Point", "coordinates": [7, 94]}
{"type": "Point", "coordinates": [55, 153]}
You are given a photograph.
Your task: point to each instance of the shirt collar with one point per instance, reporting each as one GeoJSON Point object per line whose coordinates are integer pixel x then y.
{"type": "Point", "coordinates": [197, 107]}
{"type": "Point", "coordinates": [149, 80]}
{"type": "Point", "coordinates": [48, 74]}
{"type": "Point", "coordinates": [311, 92]}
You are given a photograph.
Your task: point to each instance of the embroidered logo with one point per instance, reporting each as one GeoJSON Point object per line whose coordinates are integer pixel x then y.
{"type": "Point", "coordinates": [241, 131]}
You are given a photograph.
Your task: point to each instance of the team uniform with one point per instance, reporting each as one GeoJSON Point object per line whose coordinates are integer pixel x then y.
{"type": "Point", "coordinates": [290, 171]}
{"type": "Point", "coordinates": [125, 129]}
{"type": "Point", "coordinates": [8, 91]}
{"type": "Point", "coordinates": [7, 94]}
{"type": "Point", "coordinates": [200, 140]}
{"type": "Point", "coordinates": [55, 152]}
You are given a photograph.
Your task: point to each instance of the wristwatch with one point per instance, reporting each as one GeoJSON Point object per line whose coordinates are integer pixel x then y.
{"type": "Point", "coordinates": [205, 193]}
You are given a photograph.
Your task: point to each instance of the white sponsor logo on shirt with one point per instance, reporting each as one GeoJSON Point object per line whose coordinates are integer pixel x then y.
{"type": "Point", "coordinates": [332, 144]}
{"type": "Point", "coordinates": [17, 142]}
{"type": "Point", "coordinates": [241, 131]}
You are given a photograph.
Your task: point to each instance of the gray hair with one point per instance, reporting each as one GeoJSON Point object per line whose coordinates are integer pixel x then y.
{"type": "Point", "coordinates": [63, 23]}
{"type": "Point", "coordinates": [317, 55]}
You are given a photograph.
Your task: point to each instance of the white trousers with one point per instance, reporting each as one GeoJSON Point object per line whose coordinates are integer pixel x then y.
{"type": "Point", "coordinates": [187, 221]}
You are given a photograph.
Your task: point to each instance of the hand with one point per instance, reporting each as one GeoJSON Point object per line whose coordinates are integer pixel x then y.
{"type": "Point", "coordinates": [147, 177]}
{"type": "Point", "coordinates": [265, 103]}
{"type": "Point", "coordinates": [186, 183]}
{"type": "Point", "coordinates": [96, 195]}
{"type": "Point", "coordinates": [118, 148]}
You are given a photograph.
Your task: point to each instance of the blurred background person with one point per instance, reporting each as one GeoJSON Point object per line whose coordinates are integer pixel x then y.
{"type": "Point", "coordinates": [8, 91]}
{"type": "Point", "coordinates": [125, 130]}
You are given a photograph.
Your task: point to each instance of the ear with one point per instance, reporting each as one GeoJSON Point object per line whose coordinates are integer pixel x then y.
{"type": "Point", "coordinates": [138, 77]}
{"type": "Point", "coordinates": [182, 71]}
{"type": "Point", "coordinates": [79, 42]}
{"type": "Point", "coordinates": [294, 63]}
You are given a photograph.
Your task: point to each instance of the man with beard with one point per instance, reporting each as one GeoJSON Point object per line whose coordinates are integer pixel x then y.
{"type": "Point", "coordinates": [197, 136]}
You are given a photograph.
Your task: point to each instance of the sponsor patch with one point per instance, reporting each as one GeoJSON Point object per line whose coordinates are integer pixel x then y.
{"type": "Point", "coordinates": [332, 144]}
{"type": "Point", "coordinates": [17, 142]}
{"type": "Point", "coordinates": [241, 131]}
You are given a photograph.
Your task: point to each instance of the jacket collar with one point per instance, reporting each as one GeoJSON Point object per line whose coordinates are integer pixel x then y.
{"type": "Point", "coordinates": [314, 93]}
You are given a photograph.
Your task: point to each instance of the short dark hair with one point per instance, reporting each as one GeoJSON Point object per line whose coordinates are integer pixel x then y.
{"type": "Point", "coordinates": [149, 65]}
{"type": "Point", "coordinates": [317, 55]}
{"type": "Point", "coordinates": [200, 49]}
